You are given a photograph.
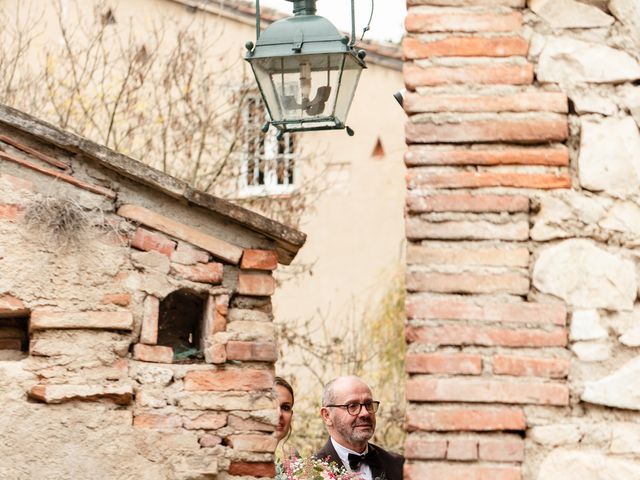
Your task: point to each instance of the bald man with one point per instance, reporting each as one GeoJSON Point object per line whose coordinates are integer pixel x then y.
{"type": "Point", "coordinates": [349, 413]}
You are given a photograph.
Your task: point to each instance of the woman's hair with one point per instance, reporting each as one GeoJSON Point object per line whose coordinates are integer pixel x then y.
{"type": "Point", "coordinates": [283, 383]}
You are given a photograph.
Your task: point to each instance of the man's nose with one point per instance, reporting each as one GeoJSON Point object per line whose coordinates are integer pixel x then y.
{"type": "Point", "coordinates": [364, 412]}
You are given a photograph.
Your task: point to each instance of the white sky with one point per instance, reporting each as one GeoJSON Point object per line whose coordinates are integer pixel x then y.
{"type": "Point", "coordinates": [387, 23]}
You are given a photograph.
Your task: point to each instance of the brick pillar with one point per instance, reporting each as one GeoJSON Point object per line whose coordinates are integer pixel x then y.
{"type": "Point", "coordinates": [483, 347]}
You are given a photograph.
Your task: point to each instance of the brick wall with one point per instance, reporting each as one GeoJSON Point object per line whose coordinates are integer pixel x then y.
{"type": "Point", "coordinates": [483, 137]}
{"type": "Point", "coordinates": [87, 364]}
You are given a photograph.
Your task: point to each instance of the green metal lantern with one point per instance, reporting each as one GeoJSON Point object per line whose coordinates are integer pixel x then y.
{"type": "Point", "coordinates": [306, 70]}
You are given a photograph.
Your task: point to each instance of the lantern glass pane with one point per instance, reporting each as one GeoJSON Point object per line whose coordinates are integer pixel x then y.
{"type": "Point", "coordinates": [348, 83]}
{"type": "Point", "coordinates": [304, 87]}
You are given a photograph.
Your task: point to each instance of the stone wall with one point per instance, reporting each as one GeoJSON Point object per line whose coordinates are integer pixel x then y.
{"type": "Point", "coordinates": [523, 216]}
{"type": "Point", "coordinates": [94, 380]}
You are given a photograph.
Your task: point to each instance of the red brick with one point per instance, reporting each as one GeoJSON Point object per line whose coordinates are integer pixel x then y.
{"type": "Point", "coordinates": [467, 282]}
{"type": "Point", "coordinates": [157, 421]}
{"type": "Point", "coordinates": [120, 299]}
{"type": "Point", "coordinates": [520, 102]}
{"type": "Point", "coordinates": [468, 179]}
{"type": "Point", "coordinates": [465, 419]}
{"type": "Point", "coordinates": [469, 3]}
{"type": "Point", "coordinates": [256, 284]}
{"type": "Point", "coordinates": [425, 449]}
{"type": "Point", "coordinates": [202, 272]}
{"type": "Point", "coordinates": [253, 443]}
{"type": "Point", "coordinates": [466, 21]}
{"type": "Point", "coordinates": [515, 312]}
{"type": "Point", "coordinates": [152, 353]}
{"type": "Point", "coordinates": [467, 202]}
{"type": "Point", "coordinates": [415, 48]}
{"type": "Point", "coordinates": [418, 155]}
{"type": "Point", "coordinates": [462, 449]}
{"type": "Point", "coordinates": [252, 351]}
{"type": "Point", "coordinates": [501, 450]}
{"type": "Point", "coordinates": [224, 380]}
{"type": "Point", "coordinates": [10, 212]}
{"type": "Point", "coordinates": [499, 257]}
{"type": "Point", "coordinates": [217, 247]}
{"type": "Point", "coordinates": [486, 391]}
{"type": "Point", "coordinates": [531, 367]}
{"type": "Point", "coordinates": [457, 363]}
{"type": "Point", "coordinates": [544, 128]}
{"type": "Point", "coordinates": [11, 306]}
{"type": "Point", "coordinates": [485, 74]}
{"type": "Point", "coordinates": [206, 421]}
{"type": "Point", "coordinates": [459, 335]}
{"type": "Point", "coordinates": [422, 471]}
{"type": "Point", "coordinates": [147, 241]}
{"type": "Point", "coordinates": [253, 469]}
{"type": "Point", "coordinates": [259, 260]}
{"type": "Point", "coordinates": [420, 229]}
{"type": "Point", "coordinates": [16, 183]}
{"type": "Point", "coordinates": [149, 328]}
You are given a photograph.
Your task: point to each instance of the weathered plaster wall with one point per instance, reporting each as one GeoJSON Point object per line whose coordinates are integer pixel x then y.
{"type": "Point", "coordinates": [523, 216]}
{"type": "Point", "coordinates": [97, 394]}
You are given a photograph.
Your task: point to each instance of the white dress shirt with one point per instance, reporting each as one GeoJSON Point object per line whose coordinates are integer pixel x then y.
{"type": "Point", "coordinates": [364, 471]}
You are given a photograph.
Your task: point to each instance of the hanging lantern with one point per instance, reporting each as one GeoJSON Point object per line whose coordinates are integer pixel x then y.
{"type": "Point", "coordinates": [307, 72]}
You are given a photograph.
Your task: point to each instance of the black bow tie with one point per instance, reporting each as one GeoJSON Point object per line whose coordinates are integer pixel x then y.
{"type": "Point", "coordinates": [370, 458]}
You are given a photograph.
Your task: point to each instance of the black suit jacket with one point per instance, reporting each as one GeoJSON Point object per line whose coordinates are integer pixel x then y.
{"type": "Point", "coordinates": [391, 463]}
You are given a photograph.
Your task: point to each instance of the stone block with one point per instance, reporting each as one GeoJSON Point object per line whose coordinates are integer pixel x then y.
{"type": "Point", "coordinates": [53, 394]}
{"type": "Point", "coordinates": [152, 353]}
{"type": "Point", "coordinates": [229, 379]}
{"type": "Point", "coordinates": [47, 319]}
{"type": "Point", "coordinates": [586, 276]}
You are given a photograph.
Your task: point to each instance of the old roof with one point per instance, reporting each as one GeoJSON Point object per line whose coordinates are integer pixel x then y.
{"type": "Point", "coordinates": [288, 240]}
{"type": "Point", "coordinates": [379, 53]}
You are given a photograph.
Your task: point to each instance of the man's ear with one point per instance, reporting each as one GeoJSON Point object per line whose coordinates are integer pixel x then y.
{"type": "Point", "coordinates": [326, 416]}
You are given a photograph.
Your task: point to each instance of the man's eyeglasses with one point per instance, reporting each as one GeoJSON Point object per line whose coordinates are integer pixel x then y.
{"type": "Point", "coordinates": [355, 408]}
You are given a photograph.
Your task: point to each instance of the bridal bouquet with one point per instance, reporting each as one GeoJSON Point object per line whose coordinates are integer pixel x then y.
{"type": "Point", "coordinates": [313, 469]}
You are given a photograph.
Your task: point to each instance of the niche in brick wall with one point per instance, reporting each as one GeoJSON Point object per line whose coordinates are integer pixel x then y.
{"type": "Point", "coordinates": [14, 334]}
{"type": "Point", "coordinates": [180, 324]}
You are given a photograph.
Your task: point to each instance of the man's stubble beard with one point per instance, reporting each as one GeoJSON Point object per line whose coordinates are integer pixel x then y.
{"type": "Point", "coordinates": [349, 431]}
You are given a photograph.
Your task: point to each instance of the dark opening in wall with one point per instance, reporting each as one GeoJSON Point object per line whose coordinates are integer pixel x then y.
{"type": "Point", "coordinates": [180, 324]}
{"type": "Point", "coordinates": [14, 333]}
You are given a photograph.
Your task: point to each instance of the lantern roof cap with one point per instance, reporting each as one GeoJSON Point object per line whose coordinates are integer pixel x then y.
{"type": "Point", "coordinates": [303, 34]}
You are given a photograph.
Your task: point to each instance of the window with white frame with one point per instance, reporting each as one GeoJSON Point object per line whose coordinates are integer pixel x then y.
{"type": "Point", "coordinates": [268, 162]}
